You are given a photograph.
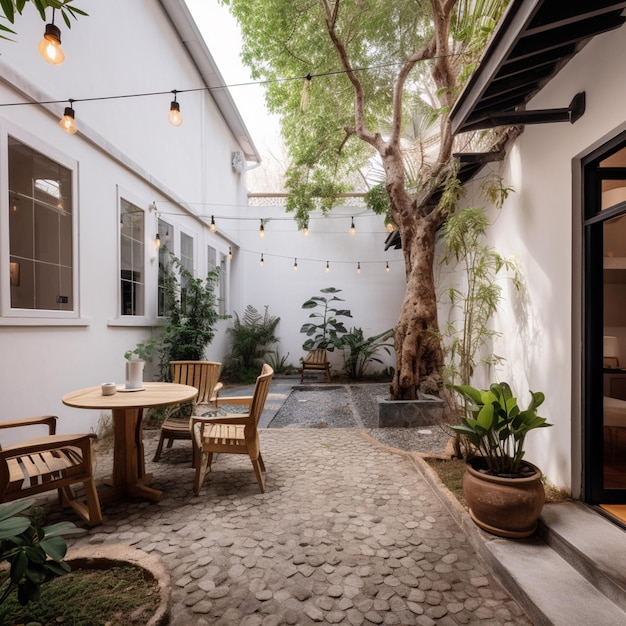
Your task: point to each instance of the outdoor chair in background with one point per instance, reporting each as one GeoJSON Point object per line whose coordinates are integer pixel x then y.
{"type": "Point", "coordinates": [204, 376]}
{"type": "Point", "coordinates": [232, 433]}
{"type": "Point", "coordinates": [48, 463]}
{"type": "Point", "coordinates": [316, 360]}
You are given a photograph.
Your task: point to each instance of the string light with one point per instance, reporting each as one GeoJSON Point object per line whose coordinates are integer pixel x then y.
{"type": "Point", "coordinates": [295, 265]}
{"type": "Point", "coordinates": [167, 236]}
{"type": "Point", "coordinates": [327, 267]}
{"type": "Point", "coordinates": [387, 267]}
{"type": "Point", "coordinates": [68, 121]}
{"type": "Point", "coordinates": [157, 241]}
{"type": "Point", "coordinates": [261, 262]}
{"type": "Point", "coordinates": [174, 116]}
{"type": "Point", "coordinates": [212, 226]}
{"type": "Point", "coordinates": [262, 230]}
{"type": "Point", "coordinates": [50, 46]}
{"type": "Point", "coordinates": [230, 253]}
{"type": "Point", "coordinates": [305, 229]}
{"type": "Point", "coordinates": [389, 227]}
{"type": "Point", "coordinates": [352, 228]}
{"type": "Point", "coordinates": [358, 267]}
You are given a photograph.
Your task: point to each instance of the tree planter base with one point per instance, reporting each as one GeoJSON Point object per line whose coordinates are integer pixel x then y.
{"type": "Point", "coordinates": [506, 507]}
{"type": "Point", "coordinates": [426, 411]}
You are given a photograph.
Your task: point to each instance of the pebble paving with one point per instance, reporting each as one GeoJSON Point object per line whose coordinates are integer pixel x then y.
{"type": "Point", "coordinates": [346, 533]}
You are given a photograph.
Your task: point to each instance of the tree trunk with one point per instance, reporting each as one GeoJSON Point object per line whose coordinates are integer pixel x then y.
{"type": "Point", "coordinates": [419, 357]}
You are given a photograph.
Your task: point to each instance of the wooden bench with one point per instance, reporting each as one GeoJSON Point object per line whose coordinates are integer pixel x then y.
{"type": "Point", "coordinates": [316, 360]}
{"type": "Point", "coordinates": [48, 463]}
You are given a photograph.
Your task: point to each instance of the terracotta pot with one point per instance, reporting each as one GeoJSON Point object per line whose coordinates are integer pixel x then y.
{"type": "Point", "coordinates": [507, 507]}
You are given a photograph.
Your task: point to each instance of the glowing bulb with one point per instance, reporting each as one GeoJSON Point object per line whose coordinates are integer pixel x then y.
{"type": "Point", "coordinates": [262, 230]}
{"type": "Point", "coordinates": [174, 116]}
{"type": "Point", "coordinates": [67, 122]}
{"type": "Point", "coordinates": [212, 226]}
{"type": "Point", "coordinates": [352, 228]}
{"type": "Point", "coordinates": [295, 265]}
{"type": "Point", "coordinates": [261, 262]}
{"type": "Point", "coordinates": [389, 227]}
{"type": "Point", "coordinates": [327, 267]}
{"type": "Point", "coordinates": [305, 229]}
{"type": "Point", "coordinates": [358, 267]}
{"type": "Point", "coordinates": [387, 267]}
{"type": "Point", "coordinates": [50, 46]}
{"type": "Point", "coordinates": [157, 241]}
{"type": "Point", "coordinates": [230, 253]}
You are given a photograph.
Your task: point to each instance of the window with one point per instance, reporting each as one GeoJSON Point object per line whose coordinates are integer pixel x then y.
{"type": "Point", "coordinates": [132, 275]}
{"type": "Point", "coordinates": [165, 233]}
{"type": "Point", "coordinates": [221, 287]}
{"type": "Point", "coordinates": [41, 254]}
{"type": "Point", "coordinates": [186, 261]}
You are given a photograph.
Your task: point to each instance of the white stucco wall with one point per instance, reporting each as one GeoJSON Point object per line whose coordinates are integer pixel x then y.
{"type": "Point", "coordinates": [541, 223]}
{"type": "Point", "coordinates": [124, 147]}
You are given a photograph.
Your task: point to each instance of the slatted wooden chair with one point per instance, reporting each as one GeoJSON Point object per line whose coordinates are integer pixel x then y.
{"type": "Point", "coordinates": [204, 376]}
{"type": "Point", "coordinates": [316, 360]}
{"type": "Point", "coordinates": [48, 463]}
{"type": "Point", "coordinates": [235, 433]}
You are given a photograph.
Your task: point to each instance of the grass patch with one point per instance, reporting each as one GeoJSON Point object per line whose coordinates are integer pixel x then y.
{"type": "Point", "coordinates": [89, 597]}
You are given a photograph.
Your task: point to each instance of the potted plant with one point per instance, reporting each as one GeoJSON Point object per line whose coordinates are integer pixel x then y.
{"type": "Point", "coordinates": [504, 492]}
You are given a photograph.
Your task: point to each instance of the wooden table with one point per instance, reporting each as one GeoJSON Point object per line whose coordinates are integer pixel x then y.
{"type": "Point", "coordinates": [129, 474]}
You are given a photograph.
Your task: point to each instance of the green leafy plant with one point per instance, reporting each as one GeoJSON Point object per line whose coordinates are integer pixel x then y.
{"type": "Point", "coordinates": [328, 333]}
{"type": "Point", "coordinates": [34, 552]}
{"type": "Point", "coordinates": [251, 338]}
{"type": "Point", "coordinates": [496, 426]}
{"type": "Point", "coordinates": [279, 362]}
{"type": "Point", "coordinates": [360, 352]}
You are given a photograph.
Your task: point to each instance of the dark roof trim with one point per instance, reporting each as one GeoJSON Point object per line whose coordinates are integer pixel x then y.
{"type": "Point", "coordinates": [534, 40]}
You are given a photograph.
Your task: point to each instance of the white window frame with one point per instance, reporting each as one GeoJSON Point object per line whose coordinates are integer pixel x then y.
{"type": "Point", "coordinates": [124, 197]}
{"type": "Point", "coordinates": [9, 315]}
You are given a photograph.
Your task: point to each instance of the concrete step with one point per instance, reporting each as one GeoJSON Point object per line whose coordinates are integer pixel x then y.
{"type": "Point", "coordinates": [571, 573]}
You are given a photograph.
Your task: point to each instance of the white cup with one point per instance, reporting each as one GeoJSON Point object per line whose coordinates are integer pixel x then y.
{"type": "Point", "coordinates": [108, 389]}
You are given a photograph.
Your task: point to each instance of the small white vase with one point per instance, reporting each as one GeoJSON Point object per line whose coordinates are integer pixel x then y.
{"type": "Point", "coordinates": [134, 374]}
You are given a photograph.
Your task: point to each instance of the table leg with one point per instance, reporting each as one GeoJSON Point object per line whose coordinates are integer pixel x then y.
{"type": "Point", "coordinates": [129, 469]}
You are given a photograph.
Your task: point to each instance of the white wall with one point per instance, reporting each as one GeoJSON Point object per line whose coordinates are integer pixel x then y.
{"type": "Point", "coordinates": [126, 147]}
{"type": "Point", "coordinates": [541, 222]}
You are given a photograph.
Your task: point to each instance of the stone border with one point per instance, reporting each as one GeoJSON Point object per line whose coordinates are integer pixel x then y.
{"type": "Point", "coordinates": [114, 555]}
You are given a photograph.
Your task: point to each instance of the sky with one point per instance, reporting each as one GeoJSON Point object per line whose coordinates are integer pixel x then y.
{"type": "Point", "coordinates": [222, 36]}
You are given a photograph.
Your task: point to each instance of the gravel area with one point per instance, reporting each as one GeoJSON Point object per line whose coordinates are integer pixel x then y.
{"type": "Point", "coordinates": [350, 406]}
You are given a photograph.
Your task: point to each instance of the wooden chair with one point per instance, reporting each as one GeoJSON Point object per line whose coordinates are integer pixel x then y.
{"type": "Point", "coordinates": [203, 375]}
{"type": "Point", "coordinates": [316, 360]}
{"type": "Point", "coordinates": [235, 433]}
{"type": "Point", "coordinates": [48, 463]}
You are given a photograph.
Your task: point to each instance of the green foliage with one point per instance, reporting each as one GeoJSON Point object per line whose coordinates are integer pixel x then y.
{"type": "Point", "coordinates": [251, 338]}
{"type": "Point", "coordinates": [9, 9]}
{"type": "Point", "coordinates": [361, 352]}
{"type": "Point", "coordinates": [496, 426]}
{"type": "Point", "coordinates": [35, 552]}
{"type": "Point", "coordinates": [478, 298]}
{"type": "Point", "coordinates": [279, 363]}
{"type": "Point", "coordinates": [328, 333]}
{"type": "Point", "coordinates": [191, 315]}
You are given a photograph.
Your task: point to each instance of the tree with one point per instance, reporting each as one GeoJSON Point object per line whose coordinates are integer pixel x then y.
{"type": "Point", "coordinates": [377, 76]}
{"type": "Point", "coordinates": [9, 9]}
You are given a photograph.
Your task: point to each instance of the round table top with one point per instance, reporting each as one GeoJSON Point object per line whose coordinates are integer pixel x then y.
{"type": "Point", "coordinates": [152, 394]}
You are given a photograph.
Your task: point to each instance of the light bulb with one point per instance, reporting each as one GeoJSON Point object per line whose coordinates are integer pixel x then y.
{"type": "Point", "coordinates": [67, 122]}
{"type": "Point", "coordinates": [352, 228]}
{"type": "Point", "coordinates": [261, 262]}
{"type": "Point", "coordinates": [157, 241]}
{"type": "Point", "coordinates": [50, 46]}
{"type": "Point", "coordinates": [358, 267]}
{"type": "Point", "coordinates": [167, 236]}
{"type": "Point", "coordinates": [389, 227]}
{"type": "Point", "coordinates": [387, 267]}
{"type": "Point", "coordinates": [327, 267]}
{"type": "Point", "coordinates": [230, 253]}
{"type": "Point", "coordinates": [262, 230]}
{"type": "Point", "coordinates": [295, 265]}
{"type": "Point", "coordinates": [212, 226]}
{"type": "Point", "coordinates": [174, 116]}
{"type": "Point", "coordinates": [305, 229]}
